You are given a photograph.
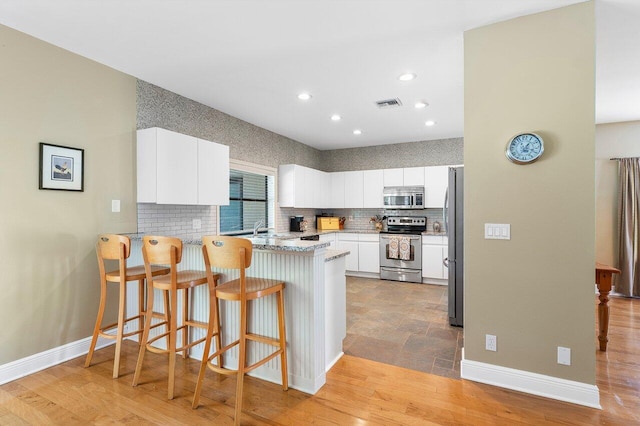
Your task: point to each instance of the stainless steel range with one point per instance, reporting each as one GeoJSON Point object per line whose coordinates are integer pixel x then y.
{"type": "Point", "coordinates": [401, 249]}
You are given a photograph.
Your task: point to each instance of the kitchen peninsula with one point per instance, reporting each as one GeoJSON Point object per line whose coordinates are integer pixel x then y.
{"type": "Point", "coordinates": [315, 305]}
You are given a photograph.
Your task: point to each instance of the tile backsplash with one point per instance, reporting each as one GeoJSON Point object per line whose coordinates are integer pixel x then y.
{"type": "Point", "coordinates": [178, 220]}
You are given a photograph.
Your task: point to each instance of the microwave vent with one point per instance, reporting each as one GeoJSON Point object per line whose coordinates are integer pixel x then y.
{"type": "Point", "coordinates": [389, 103]}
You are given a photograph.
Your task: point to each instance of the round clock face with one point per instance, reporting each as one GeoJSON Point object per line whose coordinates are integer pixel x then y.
{"type": "Point", "coordinates": [525, 148]}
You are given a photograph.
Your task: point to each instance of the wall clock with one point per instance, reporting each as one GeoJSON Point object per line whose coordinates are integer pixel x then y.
{"type": "Point", "coordinates": [525, 148]}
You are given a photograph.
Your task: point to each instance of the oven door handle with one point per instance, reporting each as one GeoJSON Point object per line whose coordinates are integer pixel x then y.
{"type": "Point", "coordinates": [401, 270]}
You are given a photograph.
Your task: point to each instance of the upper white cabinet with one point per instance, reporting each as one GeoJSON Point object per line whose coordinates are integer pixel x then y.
{"type": "Point", "coordinates": [436, 180]}
{"type": "Point", "coordinates": [303, 187]}
{"type": "Point", "coordinates": [353, 196]}
{"type": "Point", "coordinates": [393, 177]}
{"type": "Point", "coordinates": [336, 193]}
{"type": "Point", "coordinates": [372, 186]}
{"type": "Point", "coordinates": [173, 168]}
{"type": "Point", "coordinates": [413, 176]}
{"type": "Point", "coordinates": [409, 176]}
{"type": "Point", "coordinates": [213, 173]}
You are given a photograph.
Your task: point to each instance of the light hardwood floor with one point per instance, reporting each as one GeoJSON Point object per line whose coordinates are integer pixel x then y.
{"type": "Point", "coordinates": [358, 392]}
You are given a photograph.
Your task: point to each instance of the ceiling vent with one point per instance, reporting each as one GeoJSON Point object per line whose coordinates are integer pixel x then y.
{"type": "Point", "coordinates": [389, 103]}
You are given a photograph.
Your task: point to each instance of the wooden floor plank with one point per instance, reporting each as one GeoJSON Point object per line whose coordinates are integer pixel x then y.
{"type": "Point", "coordinates": [358, 392]}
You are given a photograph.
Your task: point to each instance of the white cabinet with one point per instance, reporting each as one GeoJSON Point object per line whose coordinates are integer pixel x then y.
{"type": "Point", "coordinates": [436, 179]}
{"type": "Point", "coordinates": [413, 176]}
{"type": "Point", "coordinates": [214, 178]}
{"type": "Point", "coordinates": [336, 195]}
{"type": "Point", "coordinates": [349, 241]}
{"type": "Point", "coordinates": [434, 251]}
{"type": "Point", "coordinates": [317, 189]}
{"type": "Point", "coordinates": [409, 176]}
{"type": "Point", "coordinates": [364, 248]}
{"type": "Point", "coordinates": [353, 195]}
{"type": "Point", "coordinates": [372, 186]}
{"type": "Point", "coordinates": [173, 168]}
{"type": "Point", "coordinates": [393, 177]}
{"type": "Point", "coordinates": [369, 253]}
{"type": "Point", "coordinates": [300, 186]}
{"type": "Point", "coordinates": [289, 184]}
{"type": "Point", "coordinates": [324, 185]}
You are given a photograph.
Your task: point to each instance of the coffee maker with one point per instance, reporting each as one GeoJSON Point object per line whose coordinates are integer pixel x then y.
{"type": "Point", "coordinates": [295, 223]}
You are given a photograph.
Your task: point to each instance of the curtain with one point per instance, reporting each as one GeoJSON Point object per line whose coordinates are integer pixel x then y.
{"type": "Point", "coordinates": [628, 282]}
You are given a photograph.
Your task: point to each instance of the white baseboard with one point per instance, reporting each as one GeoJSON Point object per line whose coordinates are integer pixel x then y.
{"type": "Point", "coordinates": [332, 363]}
{"type": "Point", "coordinates": [533, 383]}
{"type": "Point", "coordinates": [435, 281]}
{"type": "Point", "coordinates": [36, 362]}
{"type": "Point", "coordinates": [362, 274]}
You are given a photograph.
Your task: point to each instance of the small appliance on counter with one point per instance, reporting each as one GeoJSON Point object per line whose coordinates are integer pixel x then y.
{"type": "Point", "coordinates": [296, 223]}
{"type": "Point", "coordinates": [327, 223]}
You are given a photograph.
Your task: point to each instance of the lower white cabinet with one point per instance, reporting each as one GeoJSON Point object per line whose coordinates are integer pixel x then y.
{"type": "Point", "coordinates": [364, 248]}
{"type": "Point", "coordinates": [434, 251]}
{"type": "Point", "coordinates": [369, 253]}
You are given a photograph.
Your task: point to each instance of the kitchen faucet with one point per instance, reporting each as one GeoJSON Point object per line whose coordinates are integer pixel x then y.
{"type": "Point", "coordinates": [257, 226]}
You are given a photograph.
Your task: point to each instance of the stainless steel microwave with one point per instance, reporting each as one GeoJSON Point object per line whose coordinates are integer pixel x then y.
{"type": "Point", "coordinates": [403, 197]}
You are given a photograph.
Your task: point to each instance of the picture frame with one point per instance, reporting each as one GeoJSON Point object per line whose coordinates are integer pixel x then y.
{"type": "Point", "coordinates": [61, 168]}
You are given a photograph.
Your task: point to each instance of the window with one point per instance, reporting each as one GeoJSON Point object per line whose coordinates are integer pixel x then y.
{"type": "Point", "coordinates": [251, 199]}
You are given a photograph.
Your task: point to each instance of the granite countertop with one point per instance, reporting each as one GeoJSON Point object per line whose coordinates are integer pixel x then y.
{"type": "Point", "coordinates": [259, 243]}
{"type": "Point", "coordinates": [441, 234]}
{"type": "Point", "coordinates": [332, 254]}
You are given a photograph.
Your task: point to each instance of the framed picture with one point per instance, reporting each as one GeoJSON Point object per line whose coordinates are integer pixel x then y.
{"type": "Point", "coordinates": [61, 168]}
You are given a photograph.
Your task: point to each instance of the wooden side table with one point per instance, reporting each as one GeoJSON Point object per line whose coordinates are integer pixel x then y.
{"type": "Point", "coordinates": [604, 277]}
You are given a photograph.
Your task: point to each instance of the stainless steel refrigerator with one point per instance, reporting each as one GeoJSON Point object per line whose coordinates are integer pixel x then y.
{"type": "Point", "coordinates": [454, 225]}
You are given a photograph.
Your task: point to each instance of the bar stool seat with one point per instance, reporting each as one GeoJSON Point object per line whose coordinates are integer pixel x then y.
{"type": "Point", "coordinates": [168, 251]}
{"type": "Point", "coordinates": [118, 247]}
{"type": "Point", "coordinates": [236, 253]}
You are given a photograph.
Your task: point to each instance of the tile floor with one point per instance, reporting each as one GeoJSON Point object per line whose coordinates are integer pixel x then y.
{"type": "Point", "coordinates": [402, 324]}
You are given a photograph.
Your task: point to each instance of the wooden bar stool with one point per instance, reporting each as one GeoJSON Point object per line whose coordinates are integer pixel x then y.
{"type": "Point", "coordinates": [235, 253]}
{"type": "Point", "coordinates": [117, 247]}
{"type": "Point", "coordinates": [168, 251]}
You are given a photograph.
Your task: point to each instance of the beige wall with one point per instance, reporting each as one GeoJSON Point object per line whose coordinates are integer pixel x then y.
{"type": "Point", "coordinates": [612, 140]}
{"type": "Point", "coordinates": [49, 272]}
{"type": "Point", "coordinates": [535, 291]}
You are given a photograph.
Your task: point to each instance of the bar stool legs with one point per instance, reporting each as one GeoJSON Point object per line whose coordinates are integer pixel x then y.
{"type": "Point", "coordinates": [117, 247]}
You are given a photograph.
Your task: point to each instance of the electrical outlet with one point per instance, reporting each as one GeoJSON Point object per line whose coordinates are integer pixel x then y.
{"type": "Point", "coordinates": [491, 343]}
{"type": "Point", "coordinates": [197, 223]}
{"type": "Point", "coordinates": [564, 355]}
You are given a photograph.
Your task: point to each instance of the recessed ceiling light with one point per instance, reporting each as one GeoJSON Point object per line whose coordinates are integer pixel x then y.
{"type": "Point", "coordinates": [357, 132]}
{"type": "Point", "coordinates": [421, 104]}
{"type": "Point", "coordinates": [430, 123]}
{"type": "Point", "coordinates": [304, 96]}
{"type": "Point", "coordinates": [407, 77]}
{"type": "Point", "coordinates": [336, 117]}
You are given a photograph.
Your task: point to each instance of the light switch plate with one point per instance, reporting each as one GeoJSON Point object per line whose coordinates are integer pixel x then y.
{"type": "Point", "coordinates": [564, 356]}
{"type": "Point", "coordinates": [115, 206]}
{"type": "Point", "coordinates": [497, 231]}
{"type": "Point", "coordinates": [197, 223]}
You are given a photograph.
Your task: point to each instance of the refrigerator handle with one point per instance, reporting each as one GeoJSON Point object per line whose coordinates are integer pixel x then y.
{"type": "Point", "coordinates": [445, 216]}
